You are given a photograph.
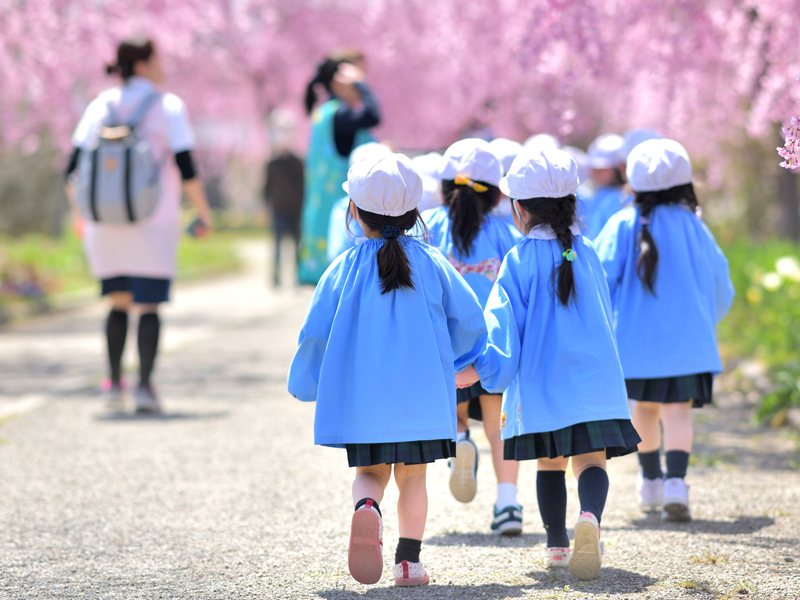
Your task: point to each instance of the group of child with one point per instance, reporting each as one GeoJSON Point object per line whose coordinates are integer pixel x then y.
{"type": "Point", "coordinates": [435, 318]}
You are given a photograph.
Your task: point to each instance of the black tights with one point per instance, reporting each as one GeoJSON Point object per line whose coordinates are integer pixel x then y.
{"type": "Point", "coordinates": [116, 334]}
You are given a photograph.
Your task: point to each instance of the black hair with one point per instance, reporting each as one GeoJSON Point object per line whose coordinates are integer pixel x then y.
{"type": "Point", "coordinates": [646, 201]}
{"type": "Point", "coordinates": [393, 267]}
{"type": "Point", "coordinates": [130, 52]}
{"type": "Point", "coordinates": [325, 72]}
{"type": "Point", "coordinates": [467, 210]}
{"type": "Point", "coordinates": [560, 214]}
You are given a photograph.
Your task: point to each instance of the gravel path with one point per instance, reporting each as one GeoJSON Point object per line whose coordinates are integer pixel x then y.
{"type": "Point", "coordinates": [226, 496]}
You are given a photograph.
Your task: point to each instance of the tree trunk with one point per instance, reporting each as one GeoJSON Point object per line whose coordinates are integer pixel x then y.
{"type": "Point", "coordinates": [790, 204]}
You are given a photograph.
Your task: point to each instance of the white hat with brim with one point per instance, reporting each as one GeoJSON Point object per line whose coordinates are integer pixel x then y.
{"type": "Point", "coordinates": [549, 173]}
{"type": "Point", "coordinates": [472, 158]}
{"type": "Point", "coordinates": [384, 185]}
{"type": "Point", "coordinates": [658, 165]}
{"type": "Point", "coordinates": [604, 152]}
{"type": "Point", "coordinates": [427, 165]}
{"type": "Point", "coordinates": [506, 150]}
{"type": "Point", "coordinates": [368, 150]}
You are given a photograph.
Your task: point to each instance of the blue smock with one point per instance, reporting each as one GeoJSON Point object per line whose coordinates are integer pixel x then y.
{"type": "Point", "coordinates": [672, 332]}
{"type": "Point", "coordinates": [481, 266]}
{"type": "Point", "coordinates": [340, 239]}
{"type": "Point", "coordinates": [382, 367]}
{"type": "Point", "coordinates": [598, 208]}
{"type": "Point", "coordinates": [557, 364]}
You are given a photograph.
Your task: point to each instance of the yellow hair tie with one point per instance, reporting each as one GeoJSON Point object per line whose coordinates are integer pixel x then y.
{"type": "Point", "coordinates": [464, 180]}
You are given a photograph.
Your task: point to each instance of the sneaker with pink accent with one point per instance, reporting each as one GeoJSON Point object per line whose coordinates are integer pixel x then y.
{"type": "Point", "coordinates": [587, 552]}
{"type": "Point", "coordinates": [408, 574]}
{"type": "Point", "coordinates": [365, 554]}
{"type": "Point", "coordinates": [556, 557]}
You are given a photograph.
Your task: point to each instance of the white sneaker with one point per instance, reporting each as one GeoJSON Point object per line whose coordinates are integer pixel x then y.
{"type": "Point", "coordinates": [556, 557]}
{"type": "Point", "coordinates": [651, 492]}
{"type": "Point", "coordinates": [409, 574]}
{"type": "Point", "coordinates": [587, 550]}
{"type": "Point", "coordinates": [115, 398]}
{"type": "Point", "coordinates": [676, 500]}
{"type": "Point", "coordinates": [464, 471]}
{"type": "Point", "coordinates": [146, 401]}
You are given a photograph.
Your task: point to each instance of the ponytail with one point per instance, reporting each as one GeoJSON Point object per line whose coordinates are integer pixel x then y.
{"type": "Point", "coordinates": [393, 267]}
{"type": "Point", "coordinates": [559, 214]}
{"type": "Point", "coordinates": [646, 201]}
{"type": "Point", "coordinates": [129, 52]}
{"type": "Point", "coordinates": [467, 208]}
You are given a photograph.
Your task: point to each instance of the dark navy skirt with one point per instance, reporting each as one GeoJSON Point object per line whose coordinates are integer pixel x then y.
{"type": "Point", "coordinates": [667, 390]}
{"type": "Point", "coordinates": [616, 436]}
{"type": "Point", "coordinates": [410, 453]}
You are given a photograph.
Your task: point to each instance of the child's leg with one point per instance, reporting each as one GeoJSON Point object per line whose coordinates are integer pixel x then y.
{"type": "Point", "coordinates": [590, 471]}
{"type": "Point", "coordinates": [505, 470]}
{"type": "Point", "coordinates": [412, 505]}
{"type": "Point", "coordinates": [551, 493]}
{"type": "Point", "coordinates": [365, 554]}
{"type": "Point", "coordinates": [587, 555]}
{"type": "Point", "coordinates": [678, 435]}
{"type": "Point", "coordinates": [371, 482]}
{"type": "Point", "coordinates": [646, 421]}
{"type": "Point", "coordinates": [462, 414]}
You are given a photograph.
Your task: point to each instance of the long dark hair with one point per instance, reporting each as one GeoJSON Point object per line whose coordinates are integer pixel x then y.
{"type": "Point", "coordinates": [468, 209]}
{"type": "Point", "coordinates": [560, 214]}
{"type": "Point", "coordinates": [325, 72]}
{"type": "Point", "coordinates": [646, 201]}
{"type": "Point", "coordinates": [393, 267]}
{"type": "Point", "coordinates": [130, 52]}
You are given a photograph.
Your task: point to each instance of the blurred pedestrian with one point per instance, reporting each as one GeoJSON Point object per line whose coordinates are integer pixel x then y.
{"type": "Point", "coordinates": [283, 194]}
{"type": "Point", "coordinates": [337, 126]}
{"type": "Point", "coordinates": [607, 183]}
{"type": "Point", "coordinates": [131, 238]}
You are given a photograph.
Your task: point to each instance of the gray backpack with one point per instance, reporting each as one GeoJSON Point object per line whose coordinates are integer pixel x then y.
{"type": "Point", "coordinates": [118, 179]}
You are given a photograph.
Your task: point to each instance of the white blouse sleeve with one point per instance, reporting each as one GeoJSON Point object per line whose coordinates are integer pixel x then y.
{"type": "Point", "coordinates": [181, 134]}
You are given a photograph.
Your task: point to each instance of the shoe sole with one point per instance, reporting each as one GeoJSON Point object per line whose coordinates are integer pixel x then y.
{"type": "Point", "coordinates": [510, 528]}
{"type": "Point", "coordinates": [411, 581]}
{"type": "Point", "coordinates": [675, 511]}
{"type": "Point", "coordinates": [364, 555]}
{"type": "Point", "coordinates": [586, 559]}
{"type": "Point", "coordinates": [463, 484]}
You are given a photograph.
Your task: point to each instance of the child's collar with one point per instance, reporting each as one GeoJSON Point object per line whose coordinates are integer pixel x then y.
{"type": "Point", "coordinates": [545, 232]}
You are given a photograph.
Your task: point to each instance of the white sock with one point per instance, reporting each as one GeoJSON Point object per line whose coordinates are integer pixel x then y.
{"type": "Point", "coordinates": [506, 495]}
{"type": "Point", "coordinates": [460, 436]}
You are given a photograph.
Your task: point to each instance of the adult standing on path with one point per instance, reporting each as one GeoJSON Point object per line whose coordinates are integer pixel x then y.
{"type": "Point", "coordinates": [136, 261]}
{"type": "Point", "coordinates": [337, 126]}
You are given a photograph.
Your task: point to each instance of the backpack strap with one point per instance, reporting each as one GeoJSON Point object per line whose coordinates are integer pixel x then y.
{"type": "Point", "coordinates": [140, 113]}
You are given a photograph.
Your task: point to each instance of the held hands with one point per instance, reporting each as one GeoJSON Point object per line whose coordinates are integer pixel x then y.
{"type": "Point", "coordinates": [467, 377]}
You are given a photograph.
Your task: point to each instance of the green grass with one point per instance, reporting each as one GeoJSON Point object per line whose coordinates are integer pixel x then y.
{"type": "Point", "coordinates": [59, 264]}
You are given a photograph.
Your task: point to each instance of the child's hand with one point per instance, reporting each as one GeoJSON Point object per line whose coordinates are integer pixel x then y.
{"type": "Point", "coordinates": [467, 377]}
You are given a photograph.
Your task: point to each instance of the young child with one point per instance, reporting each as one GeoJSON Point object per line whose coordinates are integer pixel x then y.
{"type": "Point", "coordinates": [389, 324]}
{"type": "Point", "coordinates": [475, 241]}
{"type": "Point", "coordinates": [607, 182]}
{"type": "Point", "coordinates": [552, 348]}
{"type": "Point", "coordinates": [670, 286]}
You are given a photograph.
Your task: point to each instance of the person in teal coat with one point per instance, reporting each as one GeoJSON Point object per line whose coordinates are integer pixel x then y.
{"type": "Point", "coordinates": [337, 126]}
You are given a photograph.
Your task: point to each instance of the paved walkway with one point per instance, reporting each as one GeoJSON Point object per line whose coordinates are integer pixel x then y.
{"type": "Point", "coordinates": [226, 497]}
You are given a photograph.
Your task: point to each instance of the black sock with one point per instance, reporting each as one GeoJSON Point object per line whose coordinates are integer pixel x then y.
{"type": "Point", "coordinates": [149, 327]}
{"type": "Point", "coordinates": [551, 493]}
{"type": "Point", "coordinates": [116, 332]}
{"type": "Point", "coordinates": [677, 463]}
{"type": "Point", "coordinates": [407, 549]}
{"type": "Point", "coordinates": [593, 491]}
{"type": "Point", "coordinates": [651, 464]}
{"type": "Point", "coordinates": [363, 501]}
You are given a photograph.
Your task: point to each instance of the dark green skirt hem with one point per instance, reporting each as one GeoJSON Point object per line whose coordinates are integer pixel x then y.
{"type": "Point", "coordinates": [696, 388]}
{"type": "Point", "coordinates": [410, 453]}
{"type": "Point", "coordinates": [617, 437]}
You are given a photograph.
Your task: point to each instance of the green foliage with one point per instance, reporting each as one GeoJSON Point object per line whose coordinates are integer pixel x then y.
{"type": "Point", "coordinates": [764, 322]}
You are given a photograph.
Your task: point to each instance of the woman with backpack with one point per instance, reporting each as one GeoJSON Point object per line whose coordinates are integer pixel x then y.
{"type": "Point", "coordinates": [131, 161]}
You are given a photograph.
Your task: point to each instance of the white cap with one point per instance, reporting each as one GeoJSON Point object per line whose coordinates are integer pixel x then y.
{"type": "Point", "coordinates": [542, 141]}
{"type": "Point", "coordinates": [581, 158]}
{"type": "Point", "coordinates": [427, 165]}
{"type": "Point", "coordinates": [604, 151]}
{"type": "Point", "coordinates": [472, 158]}
{"type": "Point", "coordinates": [506, 151]}
{"type": "Point", "coordinates": [431, 194]}
{"type": "Point", "coordinates": [384, 185]}
{"type": "Point", "coordinates": [550, 173]}
{"type": "Point", "coordinates": [658, 165]}
{"type": "Point", "coordinates": [368, 150]}
{"type": "Point", "coordinates": [633, 138]}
